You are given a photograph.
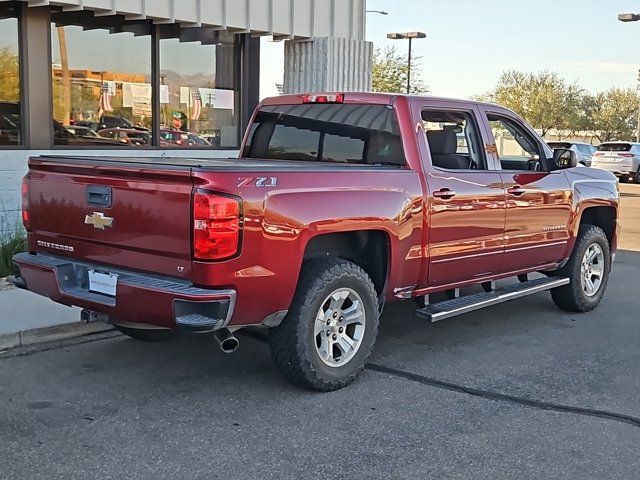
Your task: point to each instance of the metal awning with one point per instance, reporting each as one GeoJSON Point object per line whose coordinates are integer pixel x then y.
{"type": "Point", "coordinates": [280, 18]}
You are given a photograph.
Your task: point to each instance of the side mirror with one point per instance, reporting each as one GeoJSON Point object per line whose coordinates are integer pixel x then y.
{"type": "Point", "coordinates": [565, 158]}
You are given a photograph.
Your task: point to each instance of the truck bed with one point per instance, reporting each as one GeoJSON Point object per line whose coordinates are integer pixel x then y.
{"type": "Point", "coordinates": [220, 164]}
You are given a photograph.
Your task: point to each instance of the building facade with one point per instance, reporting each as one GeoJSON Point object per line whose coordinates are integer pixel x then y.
{"type": "Point", "coordinates": [154, 77]}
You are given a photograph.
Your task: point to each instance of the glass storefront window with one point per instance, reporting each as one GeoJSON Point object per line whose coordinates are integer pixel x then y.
{"type": "Point", "coordinates": [199, 99]}
{"type": "Point", "coordinates": [10, 124]}
{"type": "Point", "coordinates": [101, 80]}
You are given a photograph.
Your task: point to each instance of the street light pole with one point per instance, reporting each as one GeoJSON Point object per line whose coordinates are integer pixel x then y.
{"type": "Point", "coordinates": [638, 128]}
{"type": "Point", "coordinates": [409, 68]}
{"type": "Point", "coordinates": [626, 18]}
{"type": "Point", "coordinates": [407, 36]}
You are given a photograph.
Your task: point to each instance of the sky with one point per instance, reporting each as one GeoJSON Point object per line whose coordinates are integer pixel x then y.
{"type": "Point", "coordinates": [470, 42]}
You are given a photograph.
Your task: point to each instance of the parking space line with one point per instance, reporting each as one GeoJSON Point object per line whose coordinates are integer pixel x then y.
{"type": "Point", "coordinates": [501, 397]}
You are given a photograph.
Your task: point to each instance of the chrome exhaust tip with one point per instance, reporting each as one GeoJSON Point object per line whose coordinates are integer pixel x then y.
{"type": "Point", "coordinates": [227, 341]}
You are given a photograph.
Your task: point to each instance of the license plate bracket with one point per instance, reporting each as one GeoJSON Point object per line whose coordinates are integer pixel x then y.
{"type": "Point", "coordinates": [104, 283]}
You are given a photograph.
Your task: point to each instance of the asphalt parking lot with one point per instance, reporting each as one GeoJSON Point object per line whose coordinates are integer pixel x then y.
{"type": "Point", "coordinates": [519, 391]}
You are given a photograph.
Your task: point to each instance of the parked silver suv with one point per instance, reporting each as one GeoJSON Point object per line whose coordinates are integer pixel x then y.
{"type": "Point", "coordinates": [584, 151]}
{"type": "Point", "coordinates": [620, 158]}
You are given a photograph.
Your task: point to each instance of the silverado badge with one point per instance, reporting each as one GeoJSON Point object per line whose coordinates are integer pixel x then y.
{"type": "Point", "coordinates": [98, 220]}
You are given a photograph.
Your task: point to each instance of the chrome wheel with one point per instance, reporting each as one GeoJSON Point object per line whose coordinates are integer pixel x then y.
{"type": "Point", "coordinates": [339, 327]}
{"type": "Point", "coordinates": [592, 270]}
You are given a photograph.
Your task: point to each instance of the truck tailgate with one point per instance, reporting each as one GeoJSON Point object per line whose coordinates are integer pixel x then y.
{"type": "Point", "coordinates": [134, 216]}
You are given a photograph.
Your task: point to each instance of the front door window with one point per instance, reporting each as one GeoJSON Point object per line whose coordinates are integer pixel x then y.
{"type": "Point", "coordinates": [516, 148]}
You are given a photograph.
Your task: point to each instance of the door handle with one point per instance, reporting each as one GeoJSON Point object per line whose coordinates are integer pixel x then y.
{"type": "Point", "coordinates": [99, 196]}
{"type": "Point", "coordinates": [444, 193]}
{"type": "Point", "coordinates": [516, 190]}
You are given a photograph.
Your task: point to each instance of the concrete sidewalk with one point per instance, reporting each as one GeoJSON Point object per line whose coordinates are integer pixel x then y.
{"type": "Point", "coordinates": [27, 318]}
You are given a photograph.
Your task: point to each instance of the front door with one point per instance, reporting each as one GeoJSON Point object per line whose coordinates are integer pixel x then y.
{"type": "Point", "coordinates": [538, 202]}
{"type": "Point", "coordinates": [465, 197]}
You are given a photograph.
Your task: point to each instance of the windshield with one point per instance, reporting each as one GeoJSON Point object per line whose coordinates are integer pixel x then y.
{"type": "Point", "coordinates": [336, 133]}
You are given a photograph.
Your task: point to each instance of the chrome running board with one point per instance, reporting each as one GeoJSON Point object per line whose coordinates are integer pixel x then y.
{"type": "Point", "coordinates": [458, 306]}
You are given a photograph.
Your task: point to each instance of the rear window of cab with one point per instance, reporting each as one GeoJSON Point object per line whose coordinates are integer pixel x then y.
{"type": "Point", "coordinates": [615, 147]}
{"type": "Point", "coordinates": [331, 133]}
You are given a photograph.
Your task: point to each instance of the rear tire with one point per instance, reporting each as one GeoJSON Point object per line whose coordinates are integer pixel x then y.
{"type": "Point", "coordinates": [326, 338]}
{"type": "Point", "coordinates": [588, 269]}
{"type": "Point", "coordinates": [636, 177]}
{"type": "Point", "coordinates": [147, 334]}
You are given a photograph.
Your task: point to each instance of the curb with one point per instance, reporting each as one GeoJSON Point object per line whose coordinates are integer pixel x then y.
{"type": "Point", "coordinates": [51, 334]}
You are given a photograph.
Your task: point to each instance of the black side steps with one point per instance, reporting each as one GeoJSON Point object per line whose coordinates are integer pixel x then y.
{"type": "Point", "coordinates": [457, 306]}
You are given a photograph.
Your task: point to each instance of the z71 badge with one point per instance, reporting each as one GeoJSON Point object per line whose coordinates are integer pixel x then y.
{"type": "Point", "coordinates": [258, 182]}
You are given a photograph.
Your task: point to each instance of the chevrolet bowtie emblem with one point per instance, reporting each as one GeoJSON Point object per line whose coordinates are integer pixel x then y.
{"type": "Point", "coordinates": [98, 220]}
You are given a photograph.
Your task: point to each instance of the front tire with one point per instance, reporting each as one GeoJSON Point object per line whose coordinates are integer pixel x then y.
{"type": "Point", "coordinates": [326, 338]}
{"type": "Point", "coordinates": [588, 269]}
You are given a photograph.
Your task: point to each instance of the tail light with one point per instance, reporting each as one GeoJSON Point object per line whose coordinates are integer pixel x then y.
{"type": "Point", "coordinates": [599, 154]}
{"type": "Point", "coordinates": [216, 226]}
{"type": "Point", "coordinates": [333, 98]}
{"type": "Point", "coordinates": [626, 155]}
{"type": "Point", "coordinates": [25, 202]}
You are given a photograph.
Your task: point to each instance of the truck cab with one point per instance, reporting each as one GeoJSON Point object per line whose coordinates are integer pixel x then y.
{"type": "Point", "coordinates": [337, 204]}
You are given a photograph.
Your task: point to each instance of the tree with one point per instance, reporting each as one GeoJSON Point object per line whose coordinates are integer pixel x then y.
{"type": "Point", "coordinates": [543, 99]}
{"type": "Point", "coordinates": [9, 76]}
{"type": "Point", "coordinates": [389, 72]}
{"type": "Point", "coordinates": [611, 115]}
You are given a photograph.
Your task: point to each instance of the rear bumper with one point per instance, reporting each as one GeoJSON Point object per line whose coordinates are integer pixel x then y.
{"type": "Point", "coordinates": [618, 169]}
{"type": "Point", "coordinates": [139, 298]}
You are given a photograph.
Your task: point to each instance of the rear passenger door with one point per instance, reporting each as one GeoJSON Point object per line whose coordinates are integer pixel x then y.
{"type": "Point", "coordinates": [538, 202]}
{"type": "Point", "coordinates": [465, 197]}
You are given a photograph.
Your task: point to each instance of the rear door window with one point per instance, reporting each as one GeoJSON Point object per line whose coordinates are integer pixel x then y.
{"type": "Point", "coordinates": [585, 149]}
{"type": "Point", "coordinates": [454, 140]}
{"type": "Point", "coordinates": [332, 133]}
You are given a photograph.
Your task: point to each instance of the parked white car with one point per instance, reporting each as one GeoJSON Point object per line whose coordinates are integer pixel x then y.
{"type": "Point", "coordinates": [584, 151]}
{"type": "Point", "coordinates": [620, 158]}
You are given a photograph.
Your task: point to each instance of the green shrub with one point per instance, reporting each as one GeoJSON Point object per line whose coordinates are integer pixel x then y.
{"type": "Point", "coordinates": [13, 239]}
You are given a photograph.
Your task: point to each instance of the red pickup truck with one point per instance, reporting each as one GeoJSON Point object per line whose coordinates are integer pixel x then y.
{"type": "Point", "coordinates": [337, 204]}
